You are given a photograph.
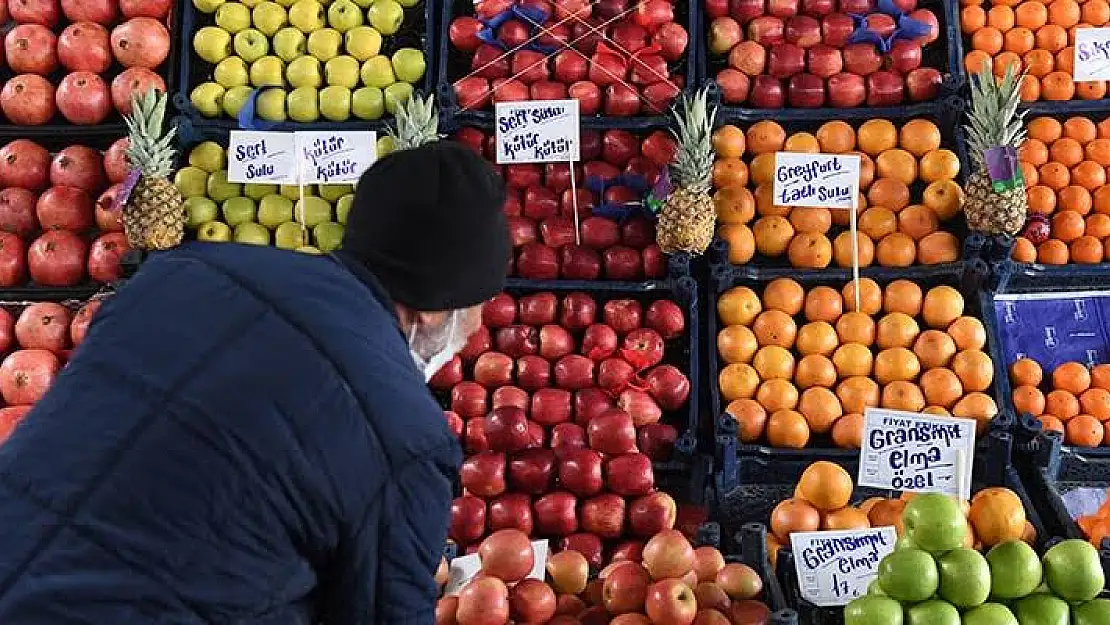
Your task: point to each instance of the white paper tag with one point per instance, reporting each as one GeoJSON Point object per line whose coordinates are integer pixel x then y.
{"type": "Point", "coordinates": [918, 453]}
{"type": "Point", "coordinates": [1092, 54]}
{"type": "Point", "coordinates": [261, 157]}
{"type": "Point", "coordinates": [465, 568]}
{"type": "Point", "coordinates": [539, 551]}
{"type": "Point", "coordinates": [816, 180]}
{"type": "Point", "coordinates": [540, 131]}
{"type": "Point", "coordinates": [335, 157]}
{"type": "Point", "coordinates": [835, 567]}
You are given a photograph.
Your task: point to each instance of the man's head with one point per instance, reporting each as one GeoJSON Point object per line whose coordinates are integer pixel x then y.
{"type": "Point", "coordinates": [429, 224]}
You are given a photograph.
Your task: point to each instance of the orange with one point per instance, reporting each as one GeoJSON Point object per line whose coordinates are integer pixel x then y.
{"type": "Point", "coordinates": [1098, 151]}
{"type": "Point", "coordinates": [876, 135]}
{"type": "Point", "coordinates": [852, 359]}
{"type": "Point", "coordinates": [890, 193]}
{"type": "Point", "coordinates": [1072, 377]}
{"type": "Point", "coordinates": [1052, 252]}
{"type": "Point", "coordinates": [941, 388]}
{"type": "Point", "coordinates": [898, 364]}
{"type": "Point", "coordinates": [1052, 37]}
{"type": "Point", "coordinates": [1029, 173]}
{"type": "Point", "coordinates": [934, 349]}
{"type": "Point", "coordinates": [942, 306]}
{"type": "Point", "coordinates": [762, 169]}
{"type": "Point", "coordinates": [1086, 250]}
{"type": "Point", "coordinates": [972, 18]}
{"type": "Point", "coordinates": [1000, 17]}
{"type": "Point", "coordinates": [903, 296]}
{"type": "Point", "coordinates": [1017, 42]}
{"type": "Point", "coordinates": [858, 393]}
{"type": "Point", "coordinates": [1084, 431]}
{"type": "Point", "coordinates": [1095, 12]}
{"type": "Point", "coordinates": [802, 142]}
{"type": "Point", "coordinates": [919, 137]}
{"type": "Point", "coordinates": [784, 294]}
{"type": "Point", "coordinates": [856, 327]}
{"type": "Point", "coordinates": [1004, 60]}
{"type": "Point", "coordinates": [1045, 129]}
{"type": "Point", "coordinates": [1075, 198]}
{"type": "Point", "coordinates": [846, 518]}
{"type": "Point", "coordinates": [1061, 404]}
{"type": "Point", "coordinates": [1033, 151]}
{"type": "Point", "coordinates": [842, 249]}
{"type": "Point", "coordinates": [976, 60]}
{"type": "Point", "coordinates": [1096, 402]}
{"type": "Point", "coordinates": [729, 172]}
{"type": "Point", "coordinates": [729, 142]}
{"type": "Point", "coordinates": [825, 485]}
{"type": "Point", "coordinates": [735, 205]}
{"type": "Point", "coordinates": [1028, 399]}
{"type": "Point", "coordinates": [1067, 226]}
{"type": "Point", "coordinates": [871, 296]}
{"type": "Point", "coordinates": [823, 303]}
{"type": "Point", "coordinates": [774, 327]}
{"type": "Point", "coordinates": [1067, 151]}
{"type": "Point", "coordinates": [765, 136]}
{"type": "Point", "coordinates": [1051, 423]}
{"type": "Point", "coordinates": [821, 409]}
{"type": "Point", "coordinates": [1102, 200]}
{"type": "Point", "coordinates": [817, 337]}
{"type": "Point", "coordinates": [1054, 175]}
{"type": "Point", "coordinates": [738, 381]}
{"type": "Point", "coordinates": [898, 164]}
{"type": "Point", "coordinates": [750, 418]}
{"type": "Point", "coordinates": [1042, 199]}
{"type": "Point", "coordinates": [877, 222]}
{"type": "Point", "coordinates": [887, 512]}
{"type": "Point", "coordinates": [765, 202]}
{"type": "Point", "coordinates": [974, 368]}
{"type": "Point", "coordinates": [777, 395]}
{"type": "Point", "coordinates": [772, 235]}
{"type": "Point", "coordinates": [1065, 13]}
{"type": "Point", "coordinates": [1100, 376]}
{"type": "Point", "coordinates": [738, 306]}
{"type": "Point", "coordinates": [774, 362]}
{"type": "Point", "coordinates": [1026, 371]}
{"type": "Point", "coordinates": [896, 250]}
{"type": "Point", "coordinates": [1065, 61]}
{"type": "Point", "coordinates": [1081, 129]}
{"type": "Point", "coordinates": [997, 516]}
{"type": "Point", "coordinates": [814, 370]}
{"type": "Point", "coordinates": [793, 515]}
{"type": "Point", "coordinates": [741, 242]}
{"type": "Point", "coordinates": [1030, 90]}
{"type": "Point", "coordinates": [736, 344]}
{"type": "Point", "coordinates": [866, 169]}
{"type": "Point", "coordinates": [1024, 252]}
{"type": "Point", "coordinates": [1097, 225]}
{"type": "Point", "coordinates": [1089, 175]}
{"type": "Point", "coordinates": [968, 332]}
{"type": "Point", "coordinates": [1057, 86]}
{"type": "Point", "coordinates": [939, 165]}
{"type": "Point", "coordinates": [1039, 63]}
{"type": "Point", "coordinates": [836, 137]}
{"type": "Point", "coordinates": [810, 250]}
{"type": "Point", "coordinates": [987, 39]}
{"type": "Point", "coordinates": [945, 197]}
{"type": "Point", "coordinates": [897, 330]}
{"type": "Point", "coordinates": [977, 406]}
{"type": "Point", "coordinates": [1031, 15]}
{"type": "Point", "coordinates": [902, 396]}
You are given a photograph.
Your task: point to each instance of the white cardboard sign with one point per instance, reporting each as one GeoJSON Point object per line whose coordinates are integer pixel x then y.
{"type": "Point", "coordinates": [335, 157]}
{"type": "Point", "coordinates": [918, 453]}
{"type": "Point", "coordinates": [1092, 54]}
{"type": "Point", "coordinates": [816, 180]}
{"type": "Point", "coordinates": [261, 157]}
{"type": "Point", "coordinates": [541, 131]}
{"type": "Point", "coordinates": [464, 568]}
{"type": "Point", "coordinates": [835, 567]}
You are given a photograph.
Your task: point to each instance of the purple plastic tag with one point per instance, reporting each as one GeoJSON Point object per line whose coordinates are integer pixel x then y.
{"type": "Point", "coordinates": [1001, 163]}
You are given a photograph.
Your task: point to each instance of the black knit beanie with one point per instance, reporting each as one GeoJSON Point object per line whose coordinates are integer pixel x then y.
{"type": "Point", "coordinates": [429, 224]}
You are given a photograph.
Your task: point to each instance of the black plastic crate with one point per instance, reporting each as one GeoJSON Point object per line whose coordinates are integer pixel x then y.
{"type": "Point", "coordinates": [749, 546]}
{"type": "Point", "coordinates": [417, 31]}
{"type": "Point", "coordinates": [454, 65]}
{"type": "Point", "coordinates": [945, 54]}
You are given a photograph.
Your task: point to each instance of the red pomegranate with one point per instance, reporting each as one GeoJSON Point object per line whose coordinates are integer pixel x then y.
{"type": "Point", "coordinates": [17, 211]}
{"type": "Point", "coordinates": [26, 375]}
{"type": "Point", "coordinates": [108, 217]}
{"type": "Point", "coordinates": [24, 164]}
{"type": "Point", "coordinates": [57, 258]}
{"type": "Point", "coordinates": [28, 100]}
{"type": "Point", "coordinates": [105, 255]}
{"type": "Point", "coordinates": [79, 327]}
{"type": "Point", "coordinates": [44, 325]}
{"type": "Point", "coordinates": [13, 260]}
{"type": "Point", "coordinates": [65, 208]}
{"type": "Point", "coordinates": [31, 49]}
{"type": "Point", "coordinates": [115, 158]}
{"type": "Point", "coordinates": [99, 11]}
{"type": "Point", "coordinates": [85, 47]}
{"type": "Point", "coordinates": [83, 98]}
{"type": "Point", "coordinates": [7, 330]}
{"type": "Point", "coordinates": [45, 12]}
{"type": "Point", "coordinates": [140, 42]}
{"type": "Point", "coordinates": [9, 418]}
{"type": "Point", "coordinates": [78, 166]}
{"type": "Point", "coordinates": [158, 9]}
{"type": "Point", "coordinates": [130, 81]}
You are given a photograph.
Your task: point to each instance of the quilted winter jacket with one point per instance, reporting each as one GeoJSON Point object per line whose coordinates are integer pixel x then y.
{"type": "Point", "coordinates": [242, 439]}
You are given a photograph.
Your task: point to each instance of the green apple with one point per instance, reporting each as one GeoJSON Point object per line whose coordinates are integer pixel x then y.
{"type": "Point", "coordinates": [290, 236]}
{"type": "Point", "coordinates": [268, 71]}
{"type": "Point", "coordinates": [233, 17]}
{"type": "Point", "coordinates": [212, 44]}
{"type": "Point", "coordinates": [873, 610]}
{"type": "Point", "coordinates": [990, 614]}
{"type": "Point", "coordinates": [313, 210]}
{"type": "Point", "coordinates": [324, 44]}
{"type": "Point", "coordinates": [207, 98]}
{"type": "Point", "coordinates": [309, 249]}
{"type": "Point", "coordinates": [274, 210]}
{"type": "Point", "coordinates": [307, 16]}
{"type": "Point", "coordinates": [1015, 570]}
{"type": "Point", "coordinates": [335, 103]}
{"type": "Point", "coordinates": [290, 43]}
{"type": "Point", "coordinates": [200, 210]}
{"type": "Point", "coordinates": [238, 210]}
{"type": "Point", "coordinates": [303, 105]}
{"type": "Point", "coordinates": [294, 192]}
{"type": "Point", "coordinates": [342, 71]}
{"type": "Point", "coordinates": [396, 95]}
{"type": "Point", "coordinates": [362, 42]}
{"type": "Point", "coordinates": [343, 208]}
{"type": "Point", "coordinates": [1073, 570]}
{"type": "Point", "coordinates": [934, 522]}
{"type": "Point", "coordinates": [328, 235]}
{"type": "Point", "coordinates": [250, 4]}
{"type": "Point", "coordinates": [1096, 612]}
{"type": "Point", "coordinates": [304, 71]}
{"type": "Point", "coordinates": [207, 6]}
{"type": "Point", "coordinates": [904, 542]}
{"type": "Point", "coordinates": [1042, 610]}
{"type": "Point", "coordinates": [219, 189]}
{"type": "Point", "coordinates": [216, 231]}
{"type": "Point", "coordinates": [256, 191]}
{"type": "Point", "coordinates": [343, 15]}
{"type": "Point", "coordinates": [377, 71]}
{"type": "Point", "coordinates": [235, 98]}
{"type": "Point", "coordinates": [251, 45]}
{"type": "Point", "coordinates": [385, 145]}
{"type": "Point", "coordinates": [269, 17]}
{"type": "Point", "coordinates": [408, 65]}
{"type": "Point", "coordinates": [965, 578]}
{"type": "Point", "coordinates": [874, 588]}
{"type": "Point", "coordinates": [209, 156]}
{"type": "Point", "coordinates": [334, 192]}
{"type": "Point", "coordinates": [191, 181]}
{"type": "Point", "coordinates": [252, 234]}
{"type": "Point", "coordinates": [386, 16]}
{"type": "Point", "coordinates": [933, 612]}
{"type": "Point", "coordinates": [909, 575]}
{"type": "Point", "coordinates": [232, 72]}
{"type": "Point", "coordinates": [368, 103]}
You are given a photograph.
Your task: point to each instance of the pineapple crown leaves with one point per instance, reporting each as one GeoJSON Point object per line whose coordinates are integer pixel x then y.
{"type": "Point", "coordinates": [150, 150]}
{"type": "Point", "coordinates": [417, 123]}
{"type": "Point", "coordinates": [993, 118]}
{"type": "Point", "coordinates": [693, 162]}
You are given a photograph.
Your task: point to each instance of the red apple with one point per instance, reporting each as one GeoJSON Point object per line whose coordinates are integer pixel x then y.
{"type": "Point", "coordinates": [448, 375]}
{"type": "Point", "coordinates": [538, 309]}
{"type": "Point", "coordinates": [521, 230]}
{"type": "Point", "coordinates": [478, 344]}
{"type": "Point", "coordinates": [724, 33]}
{"type": "Point", "coordinates": [806, 91]}
{"type": "Point", "coordinates": [472, 92]}
{"type": "Point", "coordinates": [622, 263]}
{"type": "Point", "coordinates": [881, 24]}
{"type": "Point", "coordinates": [818, 8]}
{"type": "Point", "coordinates": [767, 92]}
{"type": "Point", "coordinates": [837, 29]}
{"type": "Point", "coordinates": [517, 340]}
{"type": "Point", "coordinates": [749, 611]}
{"type": "Point", "coordinates": [905, 56]}
{"type": "Point", "coordinates": [749, 57]}
{"type": "Point", "coordinates": [862, 59]}
{"type": "Point", "coordinates": [630, 475]}
{"type": "Point", "coordinates": [555, 342]}
{"type": "Point", "coordinates": [589, 545]}
{"type": "Point", "coordinates": [600, 233]}
{"type": "Point", "coordinates": [671, 602]}
{"type": "Point", "coordinates": [551, 406]}
{"type": "Point", "coordinates": [507, 429]}
{"type": "Point", "coordinates": [641, 405]}
{"type": "Point", "coordinates": [493, 369]}
{"type": "Point", "coordinates": [612, 432]}
{"type": "Point", "coordinates": [846, 90]}
{"type": "Point", "coordinates": [623, 315]}
{"type": "Point", "coordinates": [927, 17]}
{"type": "Point", "coordinates": [766, 30]}
{"type": "Point", "coordinates": [599, 342]}
{"type": "Point", "coordinates": [533, 372]}
{"type": "Point", "coordinates": [590, 402]}
{"type": "Point", "coordinates": [603, 515]}
{"type": "Point", "coordinates": [531, 601]}
{"type": "Point", "coordinates": [568, 571]}
{"type": "Point", "coordinates": [474, 437]}
{"type": "Point", "coordinates": [484, 600]}
{"type": "Point", "coordinates": [531, 471]}
{"type": "Point", "coordinates": [588, 95]}
{"type": "Point", "coordinates": [580, 263]}
{"type": "Point", "coordinates": [629, 550]}
{"type": "Point", "coordinates": [651, 514]}
{"type": "Point", "coordinates": [923, 84]}
{"type": "Point", "coordinates": [625, 588]}
{"type": "Point", "coordinates": [884, 88]}
{"type": "Point", "coordinates": [566, 437]}
{"type": "Point", "coordinates": [455, 422]}
{"type": "Point", "coordinates": [574, 372]}
{"type": "Point", "coordinates": [555, 515]}
{"type": "Point", "coordinates": [739, 581]}
{"type": "Point", "coordinates": [541, 203]}
{"type": "Point", "coordinates": [580, 472]}
{"type": "Point", "coordinates": [484, 474]}
{"type": "Point", "coordinates": [499, 311]}
{"type": "Point", "coordinates": [537, 261]}
{"type": "Point", "coordinates": [656, 441]}
{"type": "Point", "coordinates": [857, 7]}
{"type": "Point", "coordinates": [621, 100]}
{"type": "Point", "coordinates": [668, 555]}
{"type": "Point", "coordinates": [745, 11]}
{"type": "Point", "coordinates": [824, 61]}
{"type": "Point", "coordinates": [469, 399]}
{"type": "Point", "coordinates": [614, 375]}
{"type": "Point", "coordinates": [463, 33]}
{"type": "Point", "coordinates": [803, 31]}
{"type": "Point", "coordinates": [468, 519]}
{"type": "Point", "coordinates": [507, 554]}
{"type": "Point", "coordinates": [578, 312]}
{"type": "Point", "coordinates": [672, 40]}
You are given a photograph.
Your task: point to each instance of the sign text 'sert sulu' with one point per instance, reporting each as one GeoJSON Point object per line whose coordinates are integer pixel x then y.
{"type": "Point", "coordinates": [300, 157]}
{"type": "Point", "coordinates": [816, 180]}
{"type": "Point", "coordinates": [918, 453]}
{"type": "Point", "coordinates": [261, 157]}
{"type": "Point", "coordinates": [542, 131]}
{"type": "Point", "coordinates": [835, 567]}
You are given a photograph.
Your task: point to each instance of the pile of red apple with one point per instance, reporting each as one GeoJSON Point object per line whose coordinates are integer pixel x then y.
{"type": "Point", "coordinates": [50, 208]}
{"type": "Point", "coordinates": [797, 53]}
{"type": "Point", "coordinates": [559, 405]}
{"type": "Point", "coordinates": [540, 205]}
{"type": "Point", "coordinates": [616, 57]}
{"type": "Point", "coordinates": [85, 39]}
{"type": "Point", "coordinates": [37, 340]}
{"type": "Point", "coordinates": [668, 583]}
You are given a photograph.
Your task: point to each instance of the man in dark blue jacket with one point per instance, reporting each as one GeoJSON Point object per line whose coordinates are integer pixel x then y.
{"type": "Point", "coordinates": [245, 437]}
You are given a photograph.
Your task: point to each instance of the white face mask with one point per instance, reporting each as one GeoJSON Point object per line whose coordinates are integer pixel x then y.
{"type": "Point", "coordinates": [431, 350]}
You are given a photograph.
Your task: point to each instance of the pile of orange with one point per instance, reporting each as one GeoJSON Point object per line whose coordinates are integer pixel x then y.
{"type": "Point", "coordinates": [1097, 525]}
{"type": "Point", "coordinates": [1037, 36]}
{"type": "Point", "coordinates": [1066, 168]}
{"type": "Point", "coordinates": [799, 364]}
{"type": "Point", "coordinates": [907, 190]}
{"type": "Point", "coordinates": [822, 501]}
{"type": "Point", "coordinates": [1077, 403]}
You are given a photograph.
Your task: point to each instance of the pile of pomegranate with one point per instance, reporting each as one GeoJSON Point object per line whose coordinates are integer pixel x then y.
{"type": "Point", "coordinates": [37, 340]}
{"type": "Point", "coordinates": [814, 53]}
{"type": "Point", "coordinates": [541, 204]}
{"type": "Point", "coordinates": [668, 583]}
{"type": "Point", "coordinates": [52, 206]}
{"type": "Point", "coordinates": [559, 403]}
{"type": "Point", "coordinates": [616, 57]}
{"type": "Point", "coordinates": [106, 50]}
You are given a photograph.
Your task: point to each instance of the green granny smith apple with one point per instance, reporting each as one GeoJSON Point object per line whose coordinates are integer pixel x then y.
{"type": "Point", "coordinates": [307, 16]}
{"type": "Point", "coordinates": [362, 42]}
{"type": "Point", "coordinates": [207, 98]}
{"type": "Point", "coordinates": [1041, 610]}
{"type": "Point", "coordinates": [200, 210]}
{"type": "Point", "coordinates": [251, 45]}
{"type": "Point", "coordinates": [212, 44]}
{"type": "Point", "coordinates": [1073, 570]}
{"type": "Point", "coordinates": [290, 43]}
{"type": "Point", "coordinates": [233, 17]}
{"type": "Point", "coordinates": [935, 522]}
{"type": "Point", "coordinates": [268, 71]}
{"type": "Point", "coordinates": [290, 236]}
{"type": "Point", "coordinates": [343, 208]}
{"type": "Point", "coordinates": [408, 65]}
{"type": "Point", "coordinates": [328, 235]}
{"type": "Point", "coordinates": [219, 189]}
{"type": "Point", "coordinates": [252, 234]}
{"type": "Point", "coordinates": [215, 231]}
{"type": "Point", "coordinates": [990, 614]}
{"type": "Point", "coordinates": [933, 612]}
{"type": "Point", "coordinates": [191, 181]}
{"type": "Point", "coordinates": [232, 72]}
{"type": "Point", "coordinates": [269, 17]}
{"type": "Point", "coordinates": [909, 575]}
{"type": "Point", "coordinates": [1096, 612]}
{"type": "Point", "coordinates": [335, 103]}
{"type": "Point", "coordinates": [873, 610]}
{"type": "Point", "coordinates": [238, 210]}
{"type": "Point", "coordinates": [1015, 570]}
{"type": "Point", "coordinates": [274, 210]}
{"type": "Point", "coordinates": [965, 578]}
{"type": "Point", "coordinates": [324, 44]}
{"type": "Point", "coordinates": [342, 71]}
{"type": "Point", "coordinates": [386, 16]}
{"type": "Point", "coordinates": [209, 156]}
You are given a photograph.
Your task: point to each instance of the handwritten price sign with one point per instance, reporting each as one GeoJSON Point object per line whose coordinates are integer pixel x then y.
{"type": "Point", "coordinates": [835, 567]}
{"type": "Point", "coordinates": [543, 131]}
{"type": "Point", "coordinates": [335, 157]}
{"type": "Point", "coordinates": [1092, 54]}
{"type": "Point", "coordinates": [916, 452]}
{"type": "Point", "coordinates": [816, 180]}
{"type": "Point", "coordinates": [261, 157]}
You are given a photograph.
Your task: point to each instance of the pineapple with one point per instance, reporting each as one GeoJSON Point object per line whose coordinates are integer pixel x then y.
{"type": "Point", "coordinates": [417, 124]}
{"type": "Point", "coordinates": [687, 216]}
{"type": "Point", "coordinates": [994, 121]}
{"type": "Point", "coordinates": [154, 213]}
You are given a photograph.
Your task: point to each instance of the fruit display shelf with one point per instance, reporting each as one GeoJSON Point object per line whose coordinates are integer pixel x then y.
{"type": "Point", "coordinates": [74, 64]}
{"type": "Point", "coordinates": [910, 195]}
{"type": "Point", "coordinates": [416, 31]}
{"type": "Point", "coordinates": [825, 419]}
{"type": "Point", "coordinates": [624, 60]}
{"type": "Point", "coordinates": [756, 55]}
